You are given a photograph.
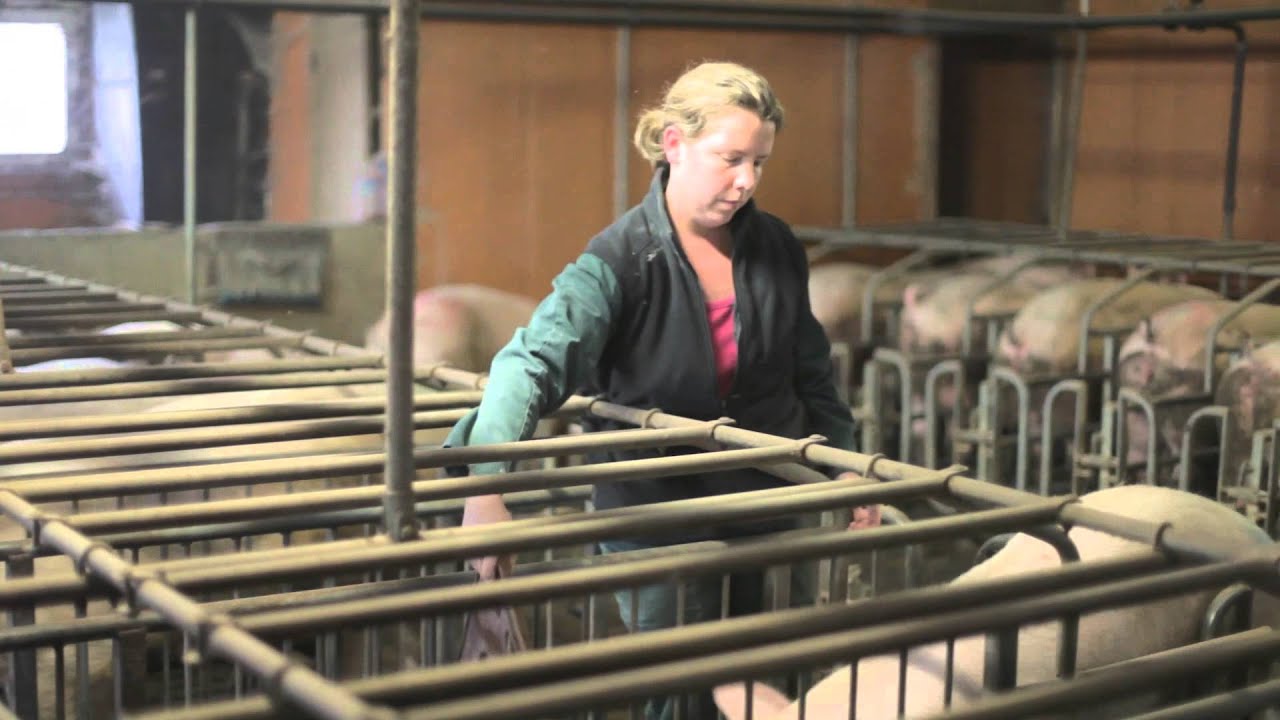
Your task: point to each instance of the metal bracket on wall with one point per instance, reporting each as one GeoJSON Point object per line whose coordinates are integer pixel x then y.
{"type": "Point", "coordinates": [265, 266]}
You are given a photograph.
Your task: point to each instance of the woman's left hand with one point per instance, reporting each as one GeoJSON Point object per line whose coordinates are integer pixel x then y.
{"type": "Point", "coordinates": [864, 516]}
{"type": "Point", "coordinates": [867, 516]}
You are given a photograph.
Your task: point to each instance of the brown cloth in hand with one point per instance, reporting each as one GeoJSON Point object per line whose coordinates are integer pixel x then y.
{"type": "Point", "coordinates": [491, 631]}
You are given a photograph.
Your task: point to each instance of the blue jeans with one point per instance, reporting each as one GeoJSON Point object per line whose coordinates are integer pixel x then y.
{"type": "Point", "coordinates": [655, 609]}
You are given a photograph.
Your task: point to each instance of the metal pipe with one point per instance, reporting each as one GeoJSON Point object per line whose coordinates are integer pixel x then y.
{"type": "Point", "coordinates": [682, 675]}
{"type": "Point", "coordinates": [512, 537]}
{"type": "Point", "coordinates": [190, 386]}
{"type": "Point", "coordinates": [189, 153]}
{"type": "Point", "coordinates": [1086, 320]}
{"type": "Point", "coordinates": [99, 319]}
{"type": "Point", "coordinates": [77, 308]}
{"type": "Point", "coordinates": [763, 15]}
{"type": "Point", "coordinates": [1233, 132]}
{"type": "Point", "coordinates": [1230, 704]}
{"type": "Point", "coordinates": [1071, 134]}
{"type": "Point", "coordinates": [401, 270]}
{"type": "Point", "coordinates": [432, 489]}
{"type": "Point", "coordinates": [73, 588]}
{"type": "Point", "coordinates": [178, 371]}
{"type": "Point", "coordinates": [617, 653]}
{"type": "Point", "coordinates": [211, 437]}
{"type": "Point", "coordinates": [40, 297]}
{"type": "Point", "coordinates": [336, 465]}
{"type": "Point", "coordinates": [849, 137]}
{"type": "Point", "coordinates": [764, 552]}
{"type": "Point", "coordinates": [85, 340]}
{"type": "Point", "coordinates": [187, 311]}
{"type": "Point", "coordinates": [137, 422]}
{"type": "Point", "coordinates": [147, 349]}
{"type": "Point", "coordinates": [621, 120]}
{"type": "Point", "coordinates": [295, 683]}
{"type": "Point", "coordinates": [1211, 337]}
{"type": "Point", "coordinates": [1124, 678]}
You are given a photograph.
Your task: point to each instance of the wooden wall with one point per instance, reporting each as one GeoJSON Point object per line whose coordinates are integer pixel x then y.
{"type": "Point", "coordinates": [1153, 130]}
{"type": "Point", "coordinates": [517, 136]}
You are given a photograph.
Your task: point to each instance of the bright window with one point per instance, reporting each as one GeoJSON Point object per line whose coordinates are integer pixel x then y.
{"type": "Point", "coordinates": [33, 88]}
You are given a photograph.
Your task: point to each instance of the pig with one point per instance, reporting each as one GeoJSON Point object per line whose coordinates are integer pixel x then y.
{"type": "Point", "coordinates": [1105, 637]}
{"type": "Point", "coordinates": [463, 325]}
{"type": "Point", "coordinates": [1164, 359]}
{"type": "Point", "coordinates": [1250, 391]}
{"type": "Point", "coordinates": [1044, 336]}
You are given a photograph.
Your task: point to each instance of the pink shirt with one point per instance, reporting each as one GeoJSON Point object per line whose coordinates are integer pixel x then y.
{"type": "Point", "coordinates": [720, 316]}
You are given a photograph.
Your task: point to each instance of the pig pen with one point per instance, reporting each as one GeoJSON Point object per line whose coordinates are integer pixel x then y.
{"type": "Point", "coordinates": [294, 604]}
{"type": "Point", "coordinates": [934, 383]}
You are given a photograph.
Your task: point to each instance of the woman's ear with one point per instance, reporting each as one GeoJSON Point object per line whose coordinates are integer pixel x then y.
{"type": "Point", "coordinates": [672, 144]}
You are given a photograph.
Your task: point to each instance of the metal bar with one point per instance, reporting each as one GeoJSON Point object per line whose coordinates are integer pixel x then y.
{"type": "Point", "coordinates": [1230, 704]}
{"type": "Point", "coordinates": [210, 437]}
{"type": "Point", "coordinates": [339, 518]}
{"type": "Point", "coordinates": [180, 371]}
{"type": "Point", "coordinates": [401, 269]}
{"type": "Point", "coordinates": [342, 464]}
{"type": "Point", "coordinates": [187, 311]}
{"type": "Point", "coordinates": [621, 120]}
{"type": "Point", "coordinates": [99, 319]}
{"type": "Point", "coordinates": [616, 653]}
{"type": "Point", "coordinates": [680, 675]}
{"type": "Point", "coordinates": [1211, 338]}
{"type": "Point", "coordinates": [1233, 132]}
{"type": "Point", "coordinates": [764, 552]}
{"type": "Point", "coordinates": [558, 531]}
{"type": "Point", "coordinates": [849, 136]}
{"type": "Point", "coordinates": [98, 339]}
{"type": "Point", "coordinates": [190, 386]}
{"type": "Point", "coordinates": [433, 489]}
{"type": "Point", "coordinates": [157, 347]}
{"type": "Point", "coordinates": [79, 308]}
{"type": "Point", "coordinates": [1124, 678]}
{"type": "Point", "coordinates": [1086, 320]}
{"type": "Point", "coordinates": [67, 588]}
{"type": "Point", "coordinates": [785, 16]}
{"type": "Point", "coordinates": [136, 422]}
{"type": "Point", "coordinates": [295, 683]}
{"type": "Point", "coordinates": [189, 120]}
{"type": "Point", "coordinates": [40, 297]}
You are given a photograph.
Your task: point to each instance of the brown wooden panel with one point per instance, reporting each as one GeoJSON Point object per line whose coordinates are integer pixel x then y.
{"type": "Point", "coordinates": [896, 175]}
{"type": "Point", "coordinates": [1152, 153]}
{"type": "Point", "coordinates": [289, 172]}
{"type": "Point", "coordinates": [802, 182]}
{"type": "Point", "coordinates": [995, 124]}
{"type": "Point", "coordinates": [515, 140]}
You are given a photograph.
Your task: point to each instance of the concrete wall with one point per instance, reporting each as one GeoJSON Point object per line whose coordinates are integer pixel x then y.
{"type": "Point", "coordinates": [151, 261]}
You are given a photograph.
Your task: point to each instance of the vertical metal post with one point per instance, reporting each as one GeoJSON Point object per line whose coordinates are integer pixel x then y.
{"type": "Point", "coordinates": [849, 135]}
{"type": "Point", "coordinates": [621, 120]}
{"type": "Point", "coordinates": [1071, 128]}
{"type": "Point", "coordinates": [1233, 135]}
{"type": "Point", "coordinates": [189, 154]}
{"type": "Point", "coordinates": [401, 269]}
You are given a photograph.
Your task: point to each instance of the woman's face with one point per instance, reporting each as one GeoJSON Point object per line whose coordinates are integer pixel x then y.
{"type": "Point", "coordinates": [716, 173]}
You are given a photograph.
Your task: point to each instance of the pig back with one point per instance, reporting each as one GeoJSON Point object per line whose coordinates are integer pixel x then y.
{"type": "Point", "coordinates": [1044, 337]}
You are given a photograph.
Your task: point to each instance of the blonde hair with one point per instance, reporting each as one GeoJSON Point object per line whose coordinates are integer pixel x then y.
{"type": "Point", "coordinates": [700, 92]}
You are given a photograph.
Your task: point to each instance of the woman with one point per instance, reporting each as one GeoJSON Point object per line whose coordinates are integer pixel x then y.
{"type": "Point", "coordinates": [695, 301]}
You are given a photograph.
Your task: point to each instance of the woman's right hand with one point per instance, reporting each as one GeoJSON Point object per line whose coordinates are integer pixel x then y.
{"type": "Point", "coordinates": [482, 510]}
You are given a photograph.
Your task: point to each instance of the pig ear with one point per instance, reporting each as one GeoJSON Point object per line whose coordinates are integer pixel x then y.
{"type": "Point", "coordinates": [765, 701]}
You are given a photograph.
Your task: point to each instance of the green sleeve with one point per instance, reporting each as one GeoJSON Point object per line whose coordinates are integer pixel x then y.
{"type": "Point", "coordinates": [545, 362]}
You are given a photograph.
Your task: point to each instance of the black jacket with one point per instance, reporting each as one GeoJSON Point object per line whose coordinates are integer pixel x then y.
{"type": "Point", "coordinates": [627, 322]}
